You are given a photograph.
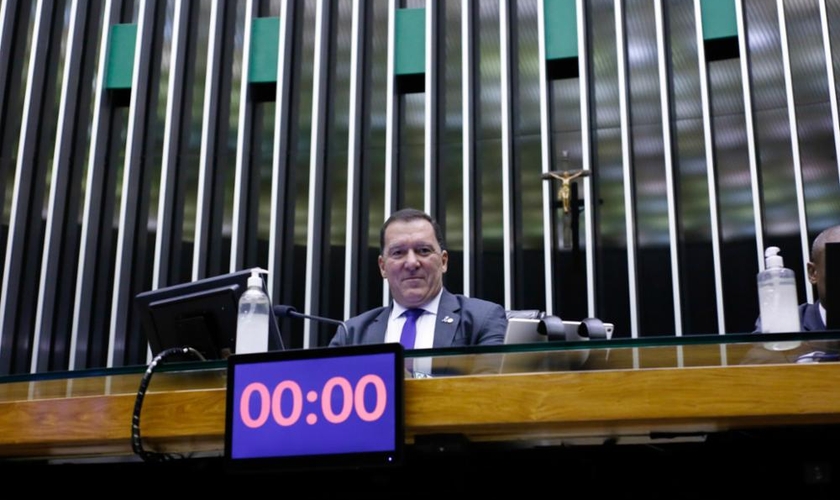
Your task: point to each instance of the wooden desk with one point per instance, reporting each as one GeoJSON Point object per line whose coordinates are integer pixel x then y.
{"type": "Point", "coordinates": [616, 393]}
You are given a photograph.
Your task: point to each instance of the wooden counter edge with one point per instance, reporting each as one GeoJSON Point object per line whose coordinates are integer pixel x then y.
{"type": "Point", "coordinates": [505, 407]}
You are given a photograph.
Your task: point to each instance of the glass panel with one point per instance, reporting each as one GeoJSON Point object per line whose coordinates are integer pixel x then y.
{"type": "Point", "coordinates": [691, 176]}
{"type": "Point", "coordinates": [529, 254]}
{"type": "Point", "coordinates": [10, 128]}
{"type": "Point", "coordinates": [655, 296]}
{"type": "Point", "coordinates": [336, 140]}
{"type": "Point", "coordinates": [489, 281]}
{"type": "Point", "coordinates": [450, 152]}
{"type": "Point", "coordinates": [611, 266]}
{"type": "Point", "coordinates": [813, 117]}
{"type": "Point", "coordinates": [372, 208]}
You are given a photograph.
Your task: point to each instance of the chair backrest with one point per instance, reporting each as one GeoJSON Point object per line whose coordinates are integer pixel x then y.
{"type": "Point", "coordinates": [525, 313]}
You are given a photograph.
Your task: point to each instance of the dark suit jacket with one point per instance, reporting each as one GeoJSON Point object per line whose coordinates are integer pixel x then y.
{"type": "Point", "coordinates": [809, 318]}
{"type": "Point", "coordinates": [474, 322]}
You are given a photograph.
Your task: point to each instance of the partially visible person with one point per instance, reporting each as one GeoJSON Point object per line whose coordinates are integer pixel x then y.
{"type": "Point", "coordinates": [413, 259]}
{"type": "Point", "coordinates": [812, 315]}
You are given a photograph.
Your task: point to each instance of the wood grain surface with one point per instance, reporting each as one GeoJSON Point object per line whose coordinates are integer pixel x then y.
{"type": "Point", "coordinates": [185, 413]}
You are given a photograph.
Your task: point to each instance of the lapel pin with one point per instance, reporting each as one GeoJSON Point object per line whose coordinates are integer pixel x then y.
{"type": "Point", "coordinates": [447, 319]}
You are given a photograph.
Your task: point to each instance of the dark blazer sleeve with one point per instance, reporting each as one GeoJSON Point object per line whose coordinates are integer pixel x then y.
{"type": "Point", "coordinates": [482, 322]}
{"type": "Point", "coordinates": [367, 328]}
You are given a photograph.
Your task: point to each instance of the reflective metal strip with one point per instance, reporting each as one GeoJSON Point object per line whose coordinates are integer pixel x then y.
{"type": "Point", "coordinates": [390, 130]}
{"type": "Point", "coordinates": [280, 156]}
{"type": "Point", "coordinates": [136, 133]}
{"type": "Point", "coordinates": [751, 140]}
{"type": "Point", "coordinates": [545, 158]}
{"type": "Point", "coordinates": [92, 211]}
{"type": "Point", "coordinates": [314, 238]}
{"type": "Point", "coordinates": [507, 149]}
{"type": "Point", "coordinates": [56, 213]}
{"type": "Point", "coordinates": [665, 106]}
{"type": "Point", "coordinates": [431, 113]}
{"type": "Point", "coordinates": [586, 153]}
{"type": "Point", "coordinates": [8, 8]}
{"type": "Point", "coordinates": [468, 138]}
{"type": "Point", "coordinates": [169, 158]}
{"type": "Point", "coordinates": [626, 154]}
{"type": "Point", "coordinates": [243, 149]}
{"type": "Point", "coordinates": [794, 143]}
{"type": "Point", "coordinates": [354, 163]}
{"type": "Point", "coordinates": [832, 83]}
{"type": "Point", "coordinates": [210, 116]}
{"type": "Point", "coordinates": [25, 170]}
{"type": "Point", "coordinates": [714, 216]}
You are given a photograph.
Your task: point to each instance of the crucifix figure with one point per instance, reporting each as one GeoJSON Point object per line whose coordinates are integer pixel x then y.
{"type": "Point", "coordinates": [570, 213]}
{"type": "Point", "coordinates": [566, 177]}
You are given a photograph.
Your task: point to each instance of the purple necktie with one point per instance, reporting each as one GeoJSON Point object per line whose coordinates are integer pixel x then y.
{"type": "Point", "coordinates": [409, 331]}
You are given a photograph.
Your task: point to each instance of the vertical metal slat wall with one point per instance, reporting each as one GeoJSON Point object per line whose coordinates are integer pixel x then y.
{"type": "Point", "coordinates": [696, 161]}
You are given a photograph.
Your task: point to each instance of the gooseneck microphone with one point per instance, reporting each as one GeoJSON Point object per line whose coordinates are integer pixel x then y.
{"type": "Point", "coordinates": [282, 311]}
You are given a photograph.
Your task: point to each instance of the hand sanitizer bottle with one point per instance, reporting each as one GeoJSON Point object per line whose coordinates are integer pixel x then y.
{"type": "Point", "coordinates": [778, 303]}
{"type": "Point", "coordinates": [253, 317]}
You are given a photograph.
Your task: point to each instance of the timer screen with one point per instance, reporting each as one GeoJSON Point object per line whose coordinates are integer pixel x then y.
{"type": "Point", "coordinates": [313, 408]}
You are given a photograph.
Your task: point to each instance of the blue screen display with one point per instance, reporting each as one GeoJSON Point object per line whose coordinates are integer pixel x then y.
{"type": "Point", "coordinates": [340, 402]}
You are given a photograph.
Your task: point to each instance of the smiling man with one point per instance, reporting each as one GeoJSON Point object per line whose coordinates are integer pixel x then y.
{"type": "Point", "coordinates": [422, 313]}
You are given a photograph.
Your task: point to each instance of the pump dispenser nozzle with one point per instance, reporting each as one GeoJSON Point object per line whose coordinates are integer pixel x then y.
{"type": "Point", "coordinates": [255, 279]}
{"type": "Point", "coordinates": [772, 257]}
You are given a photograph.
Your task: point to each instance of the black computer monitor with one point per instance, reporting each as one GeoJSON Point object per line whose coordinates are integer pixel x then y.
{"type": "Point", "coordinates": [200, 314]}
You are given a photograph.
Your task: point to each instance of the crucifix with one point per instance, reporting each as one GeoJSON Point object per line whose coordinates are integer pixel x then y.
{"type": "Point", "coordinates": [571, 211]}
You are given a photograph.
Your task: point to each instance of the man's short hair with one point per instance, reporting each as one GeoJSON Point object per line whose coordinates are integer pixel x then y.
{"type": "Point", "coordinates": [827, 235]}
{"type": "Point", "coordinates": [408, 215]}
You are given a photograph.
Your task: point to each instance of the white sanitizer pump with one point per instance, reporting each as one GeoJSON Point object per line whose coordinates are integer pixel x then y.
{"type": "Point", "coordinates": [254, 314]}
{"type": "Point", "coordinates": [778, 303]}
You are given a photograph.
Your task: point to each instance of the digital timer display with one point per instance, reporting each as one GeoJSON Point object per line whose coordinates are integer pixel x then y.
{"type": "Point", "coordinates": [316, 407]}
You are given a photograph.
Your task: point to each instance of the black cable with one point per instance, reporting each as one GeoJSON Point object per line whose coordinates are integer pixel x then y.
{"type": "Point", "coordinates": [277, 333]}
{"type": "Point", "coordinates": [136, 444]}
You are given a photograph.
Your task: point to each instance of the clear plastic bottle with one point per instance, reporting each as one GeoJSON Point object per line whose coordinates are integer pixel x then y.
{"type": "Point", "coordinates": [253, 317]}
{"type": "Point", "coordinates": [778, 302]}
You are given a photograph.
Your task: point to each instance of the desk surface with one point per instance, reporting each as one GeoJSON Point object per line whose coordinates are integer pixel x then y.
{"type": "Point", "coordinates": [534, 394]}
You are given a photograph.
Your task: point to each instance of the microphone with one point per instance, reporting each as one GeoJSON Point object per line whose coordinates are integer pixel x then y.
{"type": "Point", "coordinates": [283, 311]}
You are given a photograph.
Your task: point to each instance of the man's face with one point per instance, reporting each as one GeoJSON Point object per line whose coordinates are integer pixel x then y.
{"type": "Point", "coordinates": [412, 262]}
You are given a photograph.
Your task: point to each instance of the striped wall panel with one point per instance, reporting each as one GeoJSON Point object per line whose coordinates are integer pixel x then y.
{"type": "Point", "coordinates": [690, 160]}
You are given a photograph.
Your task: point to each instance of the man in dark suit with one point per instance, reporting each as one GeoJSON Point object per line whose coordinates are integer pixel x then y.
{"type": "Point", "coordinates": [812, 316]}
{"type": "Point", "coordinates": [413, 259]}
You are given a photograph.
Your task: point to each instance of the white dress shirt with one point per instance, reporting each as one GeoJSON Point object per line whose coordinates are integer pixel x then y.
{"type": "Point", "coordinates": [425, 324]}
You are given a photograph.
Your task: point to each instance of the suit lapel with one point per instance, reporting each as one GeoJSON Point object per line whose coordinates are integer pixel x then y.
{"type": "Point", "coordinates": [448, 320]}
{"type": "Point", "coordinates": [376, 330]}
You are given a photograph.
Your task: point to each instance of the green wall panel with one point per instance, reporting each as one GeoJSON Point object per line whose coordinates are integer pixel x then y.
{"type": "Point", "coordinates": [560, 29]}
{"type": "Point", "coordinates": [718, 19]}
{"type": "Point", "coordinates": [410, 42]}
{"type": "Point", "coordinates": [120, 65]}
{"type": "Point", "coordinates": [265, 37]}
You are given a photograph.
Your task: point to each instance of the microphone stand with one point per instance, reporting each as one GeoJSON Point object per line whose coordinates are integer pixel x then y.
{"type": "Point", "coordinates": [283, 311]}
